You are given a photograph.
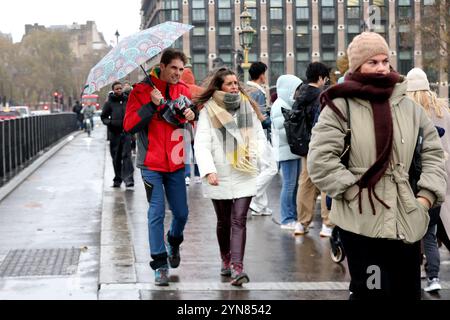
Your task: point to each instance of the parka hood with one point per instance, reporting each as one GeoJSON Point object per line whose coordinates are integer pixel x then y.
{"type": "Point", "coordinates": [188, 76]}
{"type": "Point", "coordinates": [287, 84]}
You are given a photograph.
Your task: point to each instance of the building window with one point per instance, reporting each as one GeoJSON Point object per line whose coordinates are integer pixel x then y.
{"type": "Point", "coordinates": [224, 14]}
{"type": "Point", "coordinates": [225, 37]}
{"type": "Point", "coordinates": [303, 59]}
{"type": "Point", "coordinates": [199, 31]}
{"type": "Point", "coordinates": [277, 51]}
{"type": "Point", "coordinates": [198, 15]}
{"type": "Point", "coordinates": [199, 39]}
{"type": "Point", "coordinates": [196, 4]}
{"type": "Point", "coordinates": [328, 13]}
{"type": "Point", "coordinates": [405, 61]}
{"type": "Point", "coordinates": [276, 13]}
{"type": "Point", "coordinates": [302, 13]}
{"type": "Point", "coordinates": [226, 57]}
{"type": "Point", "coordinates": [224, 3]}
{"type": "Point", "coordinates": [353, 12]}
{"type": "Point", "coordinates": [199, 65]}
{"type": "Point", "coordinates": [170, 4]}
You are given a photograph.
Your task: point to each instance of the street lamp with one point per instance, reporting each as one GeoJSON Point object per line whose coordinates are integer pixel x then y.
{"type": "Point", "coordinates": [117, 34]}
{"type": "Point", "coordinates": [246, 39]}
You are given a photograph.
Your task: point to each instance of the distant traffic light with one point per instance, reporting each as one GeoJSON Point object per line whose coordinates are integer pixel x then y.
{"type": "Point", "coordinates": [55, 97]}
{"type": "Point", "coordinates": [61, 99]}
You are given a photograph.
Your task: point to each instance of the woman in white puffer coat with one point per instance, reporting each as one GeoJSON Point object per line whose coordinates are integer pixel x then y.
{"type": "Point", "coordinates": [227, 146]}
{"type": "Point", "coordinates": [289, 163]}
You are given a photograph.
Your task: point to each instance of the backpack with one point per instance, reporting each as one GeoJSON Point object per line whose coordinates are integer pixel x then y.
{"type": "Point", "coordinates": [298, 125]}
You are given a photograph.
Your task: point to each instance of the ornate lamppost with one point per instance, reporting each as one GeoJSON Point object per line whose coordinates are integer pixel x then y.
{"type": "Point", "coordinates": [246, 39]}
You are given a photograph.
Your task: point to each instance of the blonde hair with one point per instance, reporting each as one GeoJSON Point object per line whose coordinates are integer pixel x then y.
{"type": "Point", "coordinates": [429, 101]}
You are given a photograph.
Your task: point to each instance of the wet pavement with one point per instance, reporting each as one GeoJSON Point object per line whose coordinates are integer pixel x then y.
{"type": "Point", "coordinates": [69, 203]}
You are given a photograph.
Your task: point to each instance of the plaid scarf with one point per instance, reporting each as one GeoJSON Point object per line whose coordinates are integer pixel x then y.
{"type": "Point", "coordinates": [238, 139]}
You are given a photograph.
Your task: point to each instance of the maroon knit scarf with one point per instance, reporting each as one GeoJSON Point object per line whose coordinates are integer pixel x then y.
{"type": "Point", "coordinates": [377, 89]}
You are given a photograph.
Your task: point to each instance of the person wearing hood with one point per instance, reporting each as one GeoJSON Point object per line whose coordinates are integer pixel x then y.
{"type": "Point", "coordinates": [380, 219]}
{"type": "Point", "coordinates": [189, 78]}
{"type": "Point", "coordinates": [317, 76]}
{"type": "Point", "coordinates": [419, 90]}
{"type": "Point", "coordinates": [228, 145]}
{"type": "Point", "coordinates": [287, 86]}
{"type": "Point", "coordinates": [113, 113]}
{"type": "Point", "coordinates": [154, 112]}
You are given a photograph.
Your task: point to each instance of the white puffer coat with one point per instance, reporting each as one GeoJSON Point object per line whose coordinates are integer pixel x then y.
{"type": "Point", "coordinates": [210, 157]}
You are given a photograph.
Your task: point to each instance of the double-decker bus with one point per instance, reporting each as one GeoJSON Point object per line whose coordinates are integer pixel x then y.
{"type": "Point", "coordinates": [90, 99]}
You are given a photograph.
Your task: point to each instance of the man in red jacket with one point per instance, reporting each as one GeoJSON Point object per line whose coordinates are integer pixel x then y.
{"type": "Point", "coordinates": [157, 110]}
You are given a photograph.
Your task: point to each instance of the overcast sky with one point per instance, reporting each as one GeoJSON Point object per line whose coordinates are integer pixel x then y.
{"type": "Point", "coordinates": [109, 15]}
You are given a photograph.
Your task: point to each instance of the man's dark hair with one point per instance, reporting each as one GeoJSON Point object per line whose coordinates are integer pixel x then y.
{"type": "Point", "coordinates": [316, 70]}
{"type": "Point", "coordinates": [115, 84]}
{"type": "Point", "coordinates": [170, 54]}
{"type": "Point", "coordinates": [257, 69]}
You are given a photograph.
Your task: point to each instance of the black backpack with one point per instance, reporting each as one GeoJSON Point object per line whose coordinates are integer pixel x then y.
{"type": "Point", "coordinates": [298, 126]}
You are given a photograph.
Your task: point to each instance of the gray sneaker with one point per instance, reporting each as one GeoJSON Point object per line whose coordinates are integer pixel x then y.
{"type": "Point", "coordinates": [433, 285]}
{"type": "Point", "coordinates": [162, 276]}
{"type": "Point", "coordinates": [238, 276]}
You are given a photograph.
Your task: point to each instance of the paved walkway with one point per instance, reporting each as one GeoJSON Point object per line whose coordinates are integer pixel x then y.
{"type": "Point", "coordinates": [66, 234]}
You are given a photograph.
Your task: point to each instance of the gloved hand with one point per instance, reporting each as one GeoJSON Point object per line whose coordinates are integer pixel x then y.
{"type": "Point", "coordinates": [441, 131]}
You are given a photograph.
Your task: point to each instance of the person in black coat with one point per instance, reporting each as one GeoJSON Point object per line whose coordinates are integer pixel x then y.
{"type": "Point", "coordinates": [120, 142]}
{"type": "Point", "coordinates": [77, 109]}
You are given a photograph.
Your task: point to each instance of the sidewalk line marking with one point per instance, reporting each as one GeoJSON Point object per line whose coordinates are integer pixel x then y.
{"type": "Point", "coordinates": [225, 286]}
{"type": "Point", "coordinates": [252, 286]}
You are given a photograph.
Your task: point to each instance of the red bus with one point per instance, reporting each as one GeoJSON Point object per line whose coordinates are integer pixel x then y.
{"type": "Point", "coordinates": [90, 99]}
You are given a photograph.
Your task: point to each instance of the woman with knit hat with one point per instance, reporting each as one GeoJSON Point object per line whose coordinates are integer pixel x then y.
{"type": "Point", "coordinates": [419, 90]}
{"type": "Point", "coordinates": [228, 143]}
{"type": "Point", "coordinates": [381, 221]}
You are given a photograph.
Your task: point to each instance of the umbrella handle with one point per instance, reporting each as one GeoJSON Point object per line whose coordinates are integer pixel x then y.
{"type": "Point", "coordinates": [162, 101]}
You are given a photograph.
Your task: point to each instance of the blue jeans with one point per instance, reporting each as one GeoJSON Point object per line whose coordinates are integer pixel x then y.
{"type": "Point", "coordinates": [172, 185]}
{"type": "Point", "coordinates": [288, 198]}
{"type": "Point", "coordinates": [189, 150]}
{"type": "Point", "coordinates": [430, 245]}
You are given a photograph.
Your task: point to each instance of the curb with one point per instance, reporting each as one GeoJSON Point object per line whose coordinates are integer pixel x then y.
{"type": "Point", "coordinates": [12, 184]}
{"type": "Point", "coordinates": [117, 258]}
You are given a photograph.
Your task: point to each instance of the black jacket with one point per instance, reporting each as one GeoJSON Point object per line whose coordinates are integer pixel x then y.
{"type": "Point", "coordinates": [113, 113]}
{"type": "Point", "coordinates": [77, 109]}
{"type": "Point", "coordinates": [309, 99]}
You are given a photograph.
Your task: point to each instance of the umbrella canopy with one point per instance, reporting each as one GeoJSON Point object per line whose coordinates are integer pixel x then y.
{"type": "Point", "coordinates": [133, 51]}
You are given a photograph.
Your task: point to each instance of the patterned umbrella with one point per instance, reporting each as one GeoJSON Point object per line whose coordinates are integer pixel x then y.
{"type": "Point", "coordinates": [132, 52]}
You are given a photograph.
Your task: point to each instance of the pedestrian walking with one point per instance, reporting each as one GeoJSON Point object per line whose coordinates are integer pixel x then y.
{"type": "Point", "coordinates": [113, 114]}
{"type": "Point", "coordinates": [77, 110]}
{"type": "Point", "coordinates": [227, 144]}
{"type": "Point", "coordinates": [155, 110]}
{"type": "Point", "coordinates": [189, 78]}
{"type": "Point", "coordinates": [317, 75]}
{"type": "Point", "coordinates": [380, 220]}
{"type": "Point", "coordinates": [287, 86]}
{"type": "Point", "coordinates": [267, 164]}
{"type": "Point", "coordinates": [127, 87]}
{"type": "Point", "coordinates": [419, 90]}
{"type": "Point", "coordinates": [256, 90]}
{"type": "Point", "coordinates": [88, 112]}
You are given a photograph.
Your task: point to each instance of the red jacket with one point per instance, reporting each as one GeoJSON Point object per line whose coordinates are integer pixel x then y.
{"type": "Point", "coordinates": [160, 146]}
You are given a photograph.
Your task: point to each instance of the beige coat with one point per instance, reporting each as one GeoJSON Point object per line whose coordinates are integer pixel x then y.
{"type": "Point", "coordinates": [407, 218]}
